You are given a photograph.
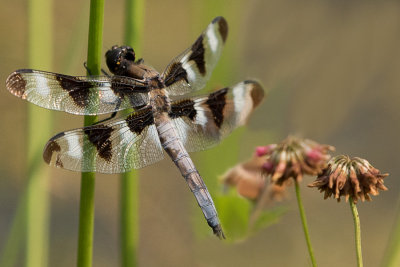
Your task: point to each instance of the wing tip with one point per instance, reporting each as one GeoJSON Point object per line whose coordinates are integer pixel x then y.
{"type": "Point", "coordinates": [257, 92]}
{"type": "Point", "coordinates": [52, 147]}
{"type": "Point", "coordinates": [16, 84]}
{"type": "Point", "coordinates": [222, 26]}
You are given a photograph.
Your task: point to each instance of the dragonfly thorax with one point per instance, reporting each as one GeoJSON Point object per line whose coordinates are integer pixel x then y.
{"type": "Point", "coordinates": [121, 61]}
{"type": "Point", "coordinates": [159, 101]}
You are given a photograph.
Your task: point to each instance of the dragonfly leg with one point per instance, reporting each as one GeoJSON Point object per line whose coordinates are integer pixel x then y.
{"type": "Point", "coordinates": [90, 73]}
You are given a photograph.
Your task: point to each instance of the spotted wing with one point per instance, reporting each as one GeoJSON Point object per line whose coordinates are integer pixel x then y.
{"type": "Point", "coordinates": [191, 70]}
{"type": "Point", "coordinates": [204, 121]}
{"type": "Point", "coordinates": [113, 147]}
{"type": "Point", "coordinates": [77, 94]}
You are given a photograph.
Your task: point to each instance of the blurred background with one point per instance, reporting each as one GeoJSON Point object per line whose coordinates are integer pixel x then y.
{"type": "Point", "coordinates": [331, 70]}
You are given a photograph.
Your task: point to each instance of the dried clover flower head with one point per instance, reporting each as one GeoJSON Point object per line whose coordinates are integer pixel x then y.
{"type": "Point", "coordinates": [350, 177]}
{"type": "Point", "coordinates": [293, 158]}
{"type": "Point", "coordinates": [247, 178]}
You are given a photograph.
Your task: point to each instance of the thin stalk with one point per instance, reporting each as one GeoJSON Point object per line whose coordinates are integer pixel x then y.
{"type": "Point", "coordinates": [304, 223]}
{"type": "Point", "coordinates": [129, 191]}
{"type": "Point", "coordinates": [86, 213]}
{"type": "Point", "coordinates": [392, 253]}
{"type": "Point", "coordinates": [33, 208]}
{"type": "Point", "coordinates": [16, 235]}
{"type": "Point", "coordinates": [357, 232]}
{"type": "Point", "coordinates": [262, 201]}
{"type": "Point", "coordinates": [39, 128]}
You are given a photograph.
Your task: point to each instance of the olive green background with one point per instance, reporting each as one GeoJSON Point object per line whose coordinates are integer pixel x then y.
{"type": "Point", "coordinates": [332, 73]}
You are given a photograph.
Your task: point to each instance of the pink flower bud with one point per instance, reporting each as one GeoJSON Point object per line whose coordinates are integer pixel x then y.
{"type": "Point", "coordinates": [264, 150]}
{"type": "Point", "coordinates": [268, 166]}
{"type": "Point", "coordinates": [261, 151]}
{"type": "Point", "coordinates": [314, 155]}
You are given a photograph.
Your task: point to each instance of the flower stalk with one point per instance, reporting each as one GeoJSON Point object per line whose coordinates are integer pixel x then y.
{"type": "Point", "coordinates": [357, 232]}
{"type": "Point", "coordinates": [304, 223]}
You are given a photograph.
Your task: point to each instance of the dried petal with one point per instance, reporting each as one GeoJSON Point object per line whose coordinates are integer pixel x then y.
{"type": "Point", "coordinates": [350, 177]}
{"type": "Point", "coordinates": [247, 178]}
{"type": "Point", "coordinates": [250, 187]}
{"type": "Point", "coordinates": [293, 158]}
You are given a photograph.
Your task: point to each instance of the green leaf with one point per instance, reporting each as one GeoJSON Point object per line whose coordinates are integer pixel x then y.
{"type": "Point", "coordinates": [269, 217]}
{"type": "Point", "coordinates": [234, 215]}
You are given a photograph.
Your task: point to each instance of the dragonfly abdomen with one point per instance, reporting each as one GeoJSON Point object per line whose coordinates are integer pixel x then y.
{"type": "Point", "coordinates": [173, 146]}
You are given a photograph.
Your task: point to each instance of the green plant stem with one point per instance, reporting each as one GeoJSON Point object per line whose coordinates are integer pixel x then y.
{"type": "Point", "coordinates": [86, 220]}
{"type": "Point", "coordinates": [134, 22]}
{"type": "Point", "coordinates": [129, 219]}
{"type": "Point", "coordinates": [15, 235]}
{"type": "Point", "coordinates": [39, 128]}
{"type": "Point", "coordinates": [262, 201]}
{"type": "Point", "coordinates": [392, 253]}
{"type": "Point", "coordinates": [129, 192]}
{"type": "Point", "coordinates": [33, 208]}
{"type": "Point", "coordinates": [357, 232]}
{"type": "Point", "coordinates": [95, 41]}
{"type": "Point", "coordinates": [86, 212]}
{"type": "Point", "coordinates": [304, 223]}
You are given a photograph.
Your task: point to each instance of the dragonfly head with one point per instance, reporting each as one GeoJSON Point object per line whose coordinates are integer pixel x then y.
{"type": "Point", "coordinates": [119, 59]}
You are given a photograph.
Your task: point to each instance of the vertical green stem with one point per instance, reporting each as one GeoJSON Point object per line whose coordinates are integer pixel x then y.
{"type": "Point", "coordinates": [357, 232]}
{"type": "Point", "coordinates": [15, 235]}
{"type": "Point", "coordinates": [86, 220]}
{"type": "Point", "coordinates": [392, 253]}
{"type": "Point", "coordinates": [134, 20]}
{"type": "Point", "coordinates": [86, 213]}
{"type": "Point", "coordinates": [95, 41]}
{"type": "Point", "coordinates": [304, 222]}
{"type": "Point", "coordinates": [129, 201]}
{"type": "Point", "coordinates": [129, 228]}
{"type": "Point", "coordinates": [39, 128]}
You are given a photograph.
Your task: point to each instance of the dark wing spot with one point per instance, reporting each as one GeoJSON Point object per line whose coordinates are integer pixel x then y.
{"type": "Point", "coordinates": [198, 55]}
{"type": "Point", "coordinates": [183, 108]}
{"type": "Point", "coordinates": [138, 121]}
{"type": "Point", "coordinates": [16, 84]}
{"type": "Point", "coordinates": [257, 94]}
{"type": "Point", "coordinates": [122, 88]}
{"type": "Point", "coordinates": [216, 102]}
{"type": "Point", "coordinates": [99, 136]}
{"type": "Point", "coordinates": [175, 73]}
{"type": "Point", "coordinates": [51, 147]}
{"type": "Point", "coordinates": [77, 89]}
{"type": "Point", "coordinates": [222, 27]}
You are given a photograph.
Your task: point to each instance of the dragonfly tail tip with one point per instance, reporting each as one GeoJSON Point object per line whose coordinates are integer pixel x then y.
{"type": "Point", "coordinates": [218, 231]}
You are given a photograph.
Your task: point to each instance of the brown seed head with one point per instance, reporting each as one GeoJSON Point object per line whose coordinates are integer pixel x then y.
{"type": "Point", "coordinates": [350, 177]}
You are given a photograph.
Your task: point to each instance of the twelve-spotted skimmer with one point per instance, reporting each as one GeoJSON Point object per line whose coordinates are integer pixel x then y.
{"type": "Point", "coordinates": [158, 122]}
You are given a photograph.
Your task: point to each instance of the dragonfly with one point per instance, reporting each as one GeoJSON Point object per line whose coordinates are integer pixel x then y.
{"type": "Point", "coordinates": [163, 118]}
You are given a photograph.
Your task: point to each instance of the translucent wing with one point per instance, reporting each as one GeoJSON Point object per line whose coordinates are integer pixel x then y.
{"type": "Point", "coordinates": [204, 121]}
{"type": "Point", "coordinates": [113, 147]}
{"type": "Point", "coordinates": [191, 70]}
{"type": "Point", "coordinates": [77, 94]}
